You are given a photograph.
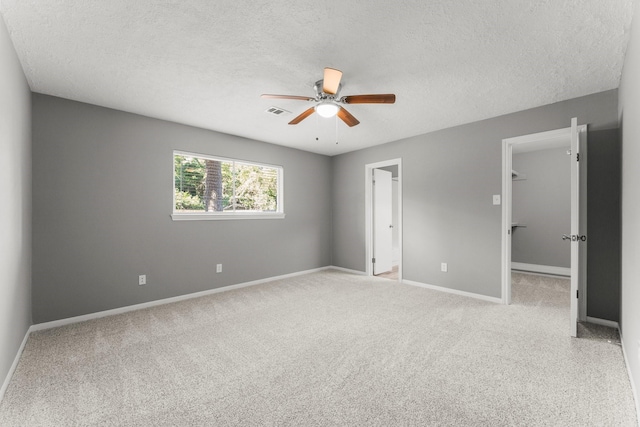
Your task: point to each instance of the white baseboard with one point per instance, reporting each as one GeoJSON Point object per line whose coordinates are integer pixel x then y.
{"type": "Point", "coordinates": [7, 379]}
{"type": "Point", "coordinates": [126, 309]}
{"type": "Point", "coordinates": [544, 269]}
{"type": "Point", "coordinates": [453, 291]}
{"type": "Point", "coordinates": [634, 390]}
{"type": "Point", "coordinates": [347, 270]}
{"type": "Point", "coordinates": [603, 322]}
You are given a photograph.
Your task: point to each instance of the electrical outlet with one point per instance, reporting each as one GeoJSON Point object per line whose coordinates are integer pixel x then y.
{"type": "Point", "coordinates": [444, 267]}
{"type": "Point", "coordinates": [218, 268]}
{"type": "Point", "coordinates": [496, 199]}
{"type": "Point", "coordinates": [142, 279]}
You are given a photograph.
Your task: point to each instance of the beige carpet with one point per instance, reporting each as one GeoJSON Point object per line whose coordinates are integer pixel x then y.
{"type": "Point", "coordinates": [326, 349]}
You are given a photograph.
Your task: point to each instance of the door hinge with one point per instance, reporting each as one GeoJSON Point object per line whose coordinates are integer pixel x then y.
{"type": "Point", "coordinates": [577, 157]}
{"type": "Point", "coordinates": [578, 294]}
{"type": "Point", "coordinates": [373, 260]}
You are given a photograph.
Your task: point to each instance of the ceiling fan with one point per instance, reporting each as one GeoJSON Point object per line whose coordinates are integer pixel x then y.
{"type": "Point", "coordinates": [328, 99]}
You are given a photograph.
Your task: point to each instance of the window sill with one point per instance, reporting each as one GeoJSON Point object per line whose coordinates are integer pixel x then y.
{"type": "Point", "coordinates": [217, 217]}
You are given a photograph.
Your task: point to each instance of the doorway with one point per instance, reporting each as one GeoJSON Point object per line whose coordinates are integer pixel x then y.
{"type": "Point", "coordinates": [383, 219]}
{"type": "Point", "coordinates": [574, 140]}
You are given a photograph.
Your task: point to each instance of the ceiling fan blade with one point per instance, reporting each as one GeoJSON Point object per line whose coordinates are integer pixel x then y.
{"type": "Point", "coordinates": [300, 98]}
{"type": "Point", "coordinates": [331, 80]}
{"type": "Point", "coordinates": [302, 116]}
{"type": "Point", "coordinates": [347, 117]}
{"type": "Point", "coordinates": [388, 98]}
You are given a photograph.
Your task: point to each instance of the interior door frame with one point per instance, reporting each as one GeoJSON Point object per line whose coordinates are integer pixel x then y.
{"type": "Point", "coordinates": [368, 203]}
{"type": "Point", "coordinates": [507, 161]}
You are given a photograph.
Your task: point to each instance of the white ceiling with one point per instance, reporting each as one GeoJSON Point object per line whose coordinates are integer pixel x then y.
{"type": "Point", "coordinates": [205, 63]}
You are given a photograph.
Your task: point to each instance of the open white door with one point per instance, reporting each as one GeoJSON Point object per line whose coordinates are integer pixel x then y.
{"type": "Point", "coordinates": [382, 222]}
{"type": "Point", "coordinates": [575, 224]}
{"type": "Point", "coordinates": [575, 135]}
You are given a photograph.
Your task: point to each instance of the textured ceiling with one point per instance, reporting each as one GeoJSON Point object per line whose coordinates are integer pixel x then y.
{"type": "Point", "coordinates": [205, 63]}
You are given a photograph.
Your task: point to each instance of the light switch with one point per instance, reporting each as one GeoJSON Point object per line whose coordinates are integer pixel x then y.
{"type": "Point", "coordinates": [496, 199]}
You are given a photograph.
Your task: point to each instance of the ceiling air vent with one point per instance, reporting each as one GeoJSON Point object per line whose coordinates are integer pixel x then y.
{"type": "Point", "coordinates": [277, 111]}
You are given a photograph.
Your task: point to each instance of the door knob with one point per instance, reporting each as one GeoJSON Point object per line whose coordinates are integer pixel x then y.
{"type": "Point", "coordinates": [391, 226]}
{"type": "Point", "coordinates": [575, 237]}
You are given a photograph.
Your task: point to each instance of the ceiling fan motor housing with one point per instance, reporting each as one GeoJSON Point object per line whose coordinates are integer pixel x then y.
{"type": "Point", "coordinates": [321, 95]}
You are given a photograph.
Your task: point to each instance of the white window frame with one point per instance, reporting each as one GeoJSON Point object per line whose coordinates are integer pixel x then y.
{"type": "Point", "coordinates": [200, 216]}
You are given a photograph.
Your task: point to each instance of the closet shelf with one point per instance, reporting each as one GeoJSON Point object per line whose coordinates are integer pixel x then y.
{"type": "Point", "coordinates": [517, 176]}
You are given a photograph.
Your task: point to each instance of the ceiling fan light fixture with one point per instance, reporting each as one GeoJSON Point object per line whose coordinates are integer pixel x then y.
{"type": "Point", "coordinates": [327, 109]}
{"type": "Point", "coordinates": [327, 100]}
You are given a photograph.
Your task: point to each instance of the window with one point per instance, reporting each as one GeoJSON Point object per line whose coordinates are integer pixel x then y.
{"type": "Point", "coordinates": [206, 187]}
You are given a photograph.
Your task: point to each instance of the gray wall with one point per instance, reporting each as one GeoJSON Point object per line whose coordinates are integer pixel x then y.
{"type": "Point", "coordinates": [629, 112]}
{"type": "Point", "coordinates": [542, 202]}
{"type": "Point", "coordinates": [15, 216]}
{"type": "Point", "coordinates": [604, 224]}
{"type": "Point", "coordinates": [102, 199]}
{"type": "Point", "coordinates": [448, 179]}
